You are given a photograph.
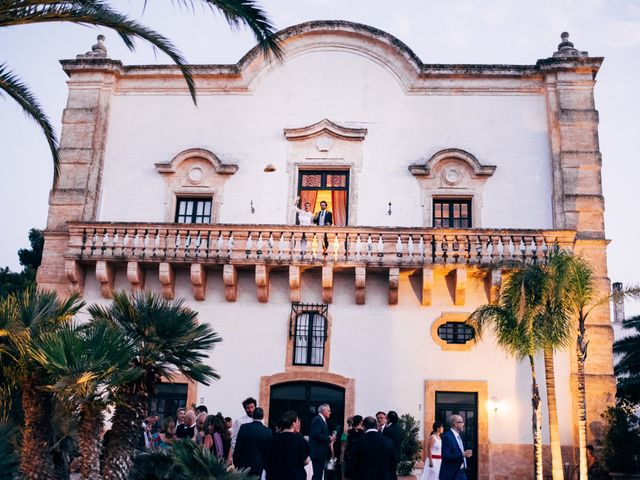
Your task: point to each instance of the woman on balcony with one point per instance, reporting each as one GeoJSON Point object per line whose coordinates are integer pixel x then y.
{"type": "Point", "coordinates": [305, 217]}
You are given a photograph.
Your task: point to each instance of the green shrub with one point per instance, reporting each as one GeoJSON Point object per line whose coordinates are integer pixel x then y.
{"type": "Point", "coordinates": [411, 445]}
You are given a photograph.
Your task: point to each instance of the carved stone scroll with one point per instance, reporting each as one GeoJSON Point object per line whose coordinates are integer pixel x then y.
{"type": "Point", "coordinates": [427, 286]}
{"type": "Point", "coordinates": [105, 276]}
{"type": "Point", "coordinates": [327, 284]}
{"type": "Point", "coordinates": [361, 280]}
{"type": "Point", "coordinates": [167, 280]}
{"type": "Point", "coordinates": [75, 274]}
{"type": "Point", "coordinates": [394, 282]}
{"type": "Point", "coordinates": [199, 281]}
{"type": "Point", "coordinates": [262, 283]}
{"type": "Point", "coordinates": [294, 283]}
{"type": "Point", "coordinates": [135, 275]}
{"type": "Point", "coordinates": [230, 279]}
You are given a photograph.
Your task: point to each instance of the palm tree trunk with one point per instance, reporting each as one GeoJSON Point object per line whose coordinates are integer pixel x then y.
{"type": "Point", "coordinates": [581, 350]}
{"type": "Point", "coordinates": [554, 430]}
{"type": "Point", "coordinates": [536, 422]}
{"type": "Point", "coordinates": [89, 442]}
{"type": "Point", "coordinates": [124, 438]}
{"type": "Point", "coordinates": [36, 462]}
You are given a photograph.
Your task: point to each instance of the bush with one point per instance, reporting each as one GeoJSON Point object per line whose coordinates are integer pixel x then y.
{"type": "Point", "coordinates": [411, 445]}
{"type": "Point", "coordinates": [622, 438]}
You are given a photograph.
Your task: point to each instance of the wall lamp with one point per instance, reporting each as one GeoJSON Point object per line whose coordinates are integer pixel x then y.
{"type": "Point", "coordinates": [389, 211]}
{"type": "Point", "coordinates": [253, 210]}
{"type": "Point", "coordinates": [494, 405]}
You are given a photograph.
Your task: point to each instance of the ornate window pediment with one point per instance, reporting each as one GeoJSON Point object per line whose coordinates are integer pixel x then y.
{"type": "Point", "coordinates": [192, 174]}
{"type": "Point", "coordinates": [452, 173]}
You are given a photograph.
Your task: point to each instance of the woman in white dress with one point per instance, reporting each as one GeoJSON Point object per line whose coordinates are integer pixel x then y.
{"type": "Point", "coordinates": [305, 217]}
{"type": "Point", "coordinates": [433, 447]}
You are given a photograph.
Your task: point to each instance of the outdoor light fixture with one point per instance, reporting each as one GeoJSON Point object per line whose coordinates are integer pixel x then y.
{"type": "Point", "coordinates": [270, 168]}
{"type": "Point", "coordinates": [253, 210]}
{"type": "Point", "coordinates": [493, 404]}
{"type": "Point", "coordinates": [389, 211]}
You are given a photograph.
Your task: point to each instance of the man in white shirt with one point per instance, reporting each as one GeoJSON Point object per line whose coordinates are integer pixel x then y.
{"type": "Point", "coordinates": [249, 406]}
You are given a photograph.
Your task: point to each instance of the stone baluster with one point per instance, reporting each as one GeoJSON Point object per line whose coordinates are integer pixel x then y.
{"type": "Point", "coordinates": [369, 247]}
{"type": "Point", "coordinates": [335, 247]}
{"type": "Point", "coordinates": [399, 248]}
{"type": "Point", "coordinates": [422, 249]}
{"type": "Point", "coordinates": [249, 246]}
{"type": "Point", "coordinates": [161, 249]}
{"type": "Point", "coordinates": [170, 243]}
{"type": "Point", "coordinates": [219, 245]}
{"type": "Point", "coordinates": [126, 244]}
{"type": "Point", "coordinates": [410, 248]}
{"type": "Point", "coordinates": [539, 253]}
{"type": "Point", "coordinates": [93, 242]}
{"type": "Point", "coordinates": [485, 249]}
{"type": "Point", "coordinates": [380, 247]}
{"type": "Point", "coordinates": [495, 248]}
{"type": "Point", "coordinates": [231, 243]}
{"type": "Point", "coordinates": [270, 245]}
{"type": "Point", "coordinates": [358, 247]}
{"type": "Point", "coordinates": [259, 245]}
{"type": "Point", "coordinates": [529, 252]}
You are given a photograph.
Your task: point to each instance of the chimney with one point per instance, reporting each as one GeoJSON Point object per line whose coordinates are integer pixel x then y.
{"type": "Point", "coordinates": [618, 303]}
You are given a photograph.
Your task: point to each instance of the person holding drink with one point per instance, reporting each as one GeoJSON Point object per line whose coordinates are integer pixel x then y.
{"type": "Point", "coordinates": [454, 456]}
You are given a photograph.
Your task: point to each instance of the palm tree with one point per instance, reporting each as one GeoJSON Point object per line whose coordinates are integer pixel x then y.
{"type": "Point", "coordinates": [627, 368]}
{"type": "Point", "coordinates": [513, 321]}
{"type": "Point", "coordinates": [554, 321]}
{"type": "Point", "coordinates": [167, 338]}
{"type": "Point", "coordinates": [98, 13]}
{"type": "Point", "coordinates": [24, 317]}
{"type": "Point", "coordinates": [86, 364]}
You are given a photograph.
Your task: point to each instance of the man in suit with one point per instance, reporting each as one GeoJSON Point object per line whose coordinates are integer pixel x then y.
{"type": "Point", "coordinates": [320, 441]}
{"type": "Point", "coordinates": [454, 456]}
{"type": "Point", "coordinates": [394, 432]}
{"type": "Point", "coordinates": [324, 217]}
{"type": "Point", "coordinates": [372, 456]}
{"type": "Point", "coordinates": [253, 444]}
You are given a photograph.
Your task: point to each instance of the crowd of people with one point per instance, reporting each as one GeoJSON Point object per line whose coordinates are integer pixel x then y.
{"type": "Point", "coordinates": [369, 450]}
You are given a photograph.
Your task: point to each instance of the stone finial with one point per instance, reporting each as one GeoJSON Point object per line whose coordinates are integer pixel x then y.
{"type": "Point", "coordinates": [566, 48]}
{"type": "Point", "coordinates": [97, 51]}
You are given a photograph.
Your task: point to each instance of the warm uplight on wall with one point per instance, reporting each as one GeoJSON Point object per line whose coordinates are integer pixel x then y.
{"type": "Point", "coordinates": [494, 405]}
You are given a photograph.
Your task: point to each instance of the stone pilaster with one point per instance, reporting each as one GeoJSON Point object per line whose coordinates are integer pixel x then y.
{"type": "Point", "coordinates": [92, 81]}
{"type": "Point", "coordinates": [578, 203]}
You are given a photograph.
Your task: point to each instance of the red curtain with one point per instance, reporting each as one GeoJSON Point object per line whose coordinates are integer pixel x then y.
{"type": "Point", "coordinates": [339, 205]}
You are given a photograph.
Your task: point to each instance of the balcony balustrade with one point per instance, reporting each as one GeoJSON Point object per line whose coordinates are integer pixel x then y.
{"type": "Point", "coordinates": [269, 246]}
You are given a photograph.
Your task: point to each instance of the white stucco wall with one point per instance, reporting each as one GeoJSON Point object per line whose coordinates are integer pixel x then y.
{"type": "Point", "coordinates": [509, 131]}
{"type": "Point", "coordinates": [388, 350]}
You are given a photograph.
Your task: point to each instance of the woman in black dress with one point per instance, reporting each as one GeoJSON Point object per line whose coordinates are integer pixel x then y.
{"type": "Point", "coordinates": [289, 451]}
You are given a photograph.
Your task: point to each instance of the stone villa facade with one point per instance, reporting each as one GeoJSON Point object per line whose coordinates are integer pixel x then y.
{"type": "Point", "coordinates": [434, 173]}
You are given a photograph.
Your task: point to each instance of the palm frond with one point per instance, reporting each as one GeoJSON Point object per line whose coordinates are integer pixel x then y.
{"type": "Point", "coordinates": [13, 86]}
{"type": "Point", "coordinates": [97, 13]}
{"type": "Point", "coordinates": [248, 12]}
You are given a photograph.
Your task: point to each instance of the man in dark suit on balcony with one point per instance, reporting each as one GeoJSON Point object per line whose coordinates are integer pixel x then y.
{"type": "Point", "coordinates": [324, 218]}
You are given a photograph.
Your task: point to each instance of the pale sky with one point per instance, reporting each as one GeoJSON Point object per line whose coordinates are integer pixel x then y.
{"type": "Point", "coordinates": [444, 31]}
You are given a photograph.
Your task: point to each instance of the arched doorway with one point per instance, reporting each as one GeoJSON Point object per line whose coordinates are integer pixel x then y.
{"type": "Point", "coordinates": [305, 397]}
{"type": "Point", "coordinates": [343, 385]}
